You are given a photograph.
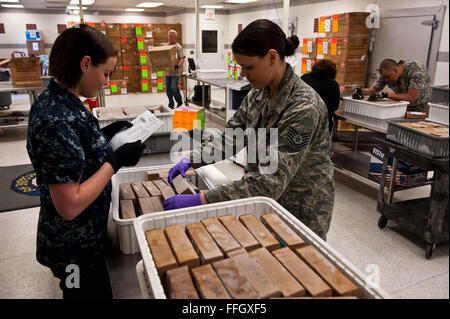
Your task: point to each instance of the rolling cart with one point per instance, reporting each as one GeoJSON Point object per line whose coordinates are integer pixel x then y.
{"type": "Point", "coordinates": [425, 217]}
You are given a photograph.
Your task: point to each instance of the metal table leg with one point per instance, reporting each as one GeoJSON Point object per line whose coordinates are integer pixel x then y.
{"type": "Point", "coordinates": [355, 141]}
{"type": "Point", "coordinates": [203, 94]}
{"type": "Point", "coordinates": [392, 182]}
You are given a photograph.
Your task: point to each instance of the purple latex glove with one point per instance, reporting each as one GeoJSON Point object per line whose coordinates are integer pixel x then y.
{"type": "Point", "coordinates": [179, 168]}
{"type": "Point", "coordinates": [182, 201]}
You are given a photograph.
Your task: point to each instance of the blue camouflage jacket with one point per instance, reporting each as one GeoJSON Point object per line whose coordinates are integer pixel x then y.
{"type": "Point", "coordinates": [66, 145]}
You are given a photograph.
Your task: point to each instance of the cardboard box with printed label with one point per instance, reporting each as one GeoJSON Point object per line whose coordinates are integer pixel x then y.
{"type": "Point", "coordinates": [145, 44]}
{"type": "Point", "coordinates": [188, 118]}
{"type": "Point", "coordinates": [145, 72]}
{"type": "Point", "coordinates": [35, 48]}
{"type": "Point", "coordinates": [349, 24]}
{"type": "Point", "coordinates": [112, 30]}
{"type": "Point", "coordinates": [322, 48]}
{"type": "Point", "coordinates": [131, 71]}
{"type": "Point", "coordinates": [144, 30]}
{"type": "Point", "coordinates": [117, 87]}
{"type": "Point", "coordinates": [350, 71]}
{"type": "Point", "coordinates": [144, 59]}
{"type": "Point", "coordinates": [127, 30]}
{"type": "Point", "coordinates": [133, 85]}
{"type": "Point", "coordinates": [128, 45]}
{"type": "Point", "coordinates": [324, 27]}
{"type": "Point", "coordinates": [307, 65]}
{"type": "Point", "coordinates": [163, 58]}
{"type": "Point", "coordinates": [309, 49]}
{"type": "Point", "coordinates": [130, 58]}
{"type": "Point", "coordinates": [351, 48]}
{"type": "Point", "coordinates": [117, 74]}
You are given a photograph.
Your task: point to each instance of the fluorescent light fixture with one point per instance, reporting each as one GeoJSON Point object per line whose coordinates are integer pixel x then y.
{"type": "Point", "coordinates": [209, 6]}
{"type": "Point", "coordinates": [12, 5]}
{"type": "Point", "coordinates": [76, 8]}
{"type": "Point", "coordinates": [134, 9]}
{"type": "Point", "coordinates": [10, 1]}
{"type": "Point", "coordinates": [149, 4]}
{"type": "Point", "coordinates": [83, 2]}
{"type": "Point", "coordinates": [240, 1]}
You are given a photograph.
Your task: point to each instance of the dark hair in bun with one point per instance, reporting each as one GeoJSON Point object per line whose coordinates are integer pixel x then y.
{"type": "Point", "coordinates": [262, 35]}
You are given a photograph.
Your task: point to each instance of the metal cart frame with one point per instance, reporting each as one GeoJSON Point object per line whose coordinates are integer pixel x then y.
{"type": "Point", "coordinates": [425, 217]}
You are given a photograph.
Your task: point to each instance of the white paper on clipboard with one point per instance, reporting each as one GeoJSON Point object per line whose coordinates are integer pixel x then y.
{"type": "Point", "coordinates": [143, 127]}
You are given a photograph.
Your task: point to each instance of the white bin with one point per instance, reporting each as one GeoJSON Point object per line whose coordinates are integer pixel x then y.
{"type": "Point", "coordinates": [211, 74]}
{"type": "Point", "coordinates": [374, 109]}
{"type": "Point", "coordinates": [127, 236]}
{"type": "Point", "coordinates": [165, 116]}
{"type": "Point", "coordinates": [438, 113]}
{"type": "Point", "coordinates": [257, 205]}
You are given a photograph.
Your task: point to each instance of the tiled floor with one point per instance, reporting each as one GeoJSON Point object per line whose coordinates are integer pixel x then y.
{"type": "Point", "coordinates": [399, 257]}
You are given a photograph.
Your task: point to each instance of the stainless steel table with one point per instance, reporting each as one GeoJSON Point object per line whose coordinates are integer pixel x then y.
{"type": "Point", "coordinates": [221, 83]}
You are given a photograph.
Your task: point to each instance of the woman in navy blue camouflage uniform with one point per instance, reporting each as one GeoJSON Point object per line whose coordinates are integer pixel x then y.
{"type": "Point", "coordinates": [74, 163]}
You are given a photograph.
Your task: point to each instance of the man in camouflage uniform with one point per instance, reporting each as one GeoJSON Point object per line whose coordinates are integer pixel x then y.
{"type": "Point", "coordinates": [303, 181]}
{"type": "Point", "coordinates": [408, 79]}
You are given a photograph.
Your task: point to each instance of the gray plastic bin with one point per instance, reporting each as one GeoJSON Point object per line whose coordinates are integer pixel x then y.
{"type": "Point", "coordinates": [439, 94]}
{"type": "Point", "coordinates": [158, 143]}
{"type": "Point", "coordinates": [433, 146]}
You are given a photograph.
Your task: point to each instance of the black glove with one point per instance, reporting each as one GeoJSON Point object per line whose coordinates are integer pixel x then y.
{"type": "Point", "coordinates": [177, 67]}
{"type": "Point", "coordinates": [374, 97]}
{"type": "Point", "coordinates": [126, 155]}
{"type": "Point", "coordinates": [384, 95]}
{"type": "Point", "coordinates": [113, 128]}
{"type": "Point", "coordinates": [357, 94]}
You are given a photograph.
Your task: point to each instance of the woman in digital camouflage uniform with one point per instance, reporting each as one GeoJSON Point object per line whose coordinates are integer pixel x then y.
{"type": "Point", "coordinates": [303, 181]}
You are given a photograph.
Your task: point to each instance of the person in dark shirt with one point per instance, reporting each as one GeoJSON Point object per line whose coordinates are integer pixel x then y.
{"type": "Point", "coordinates": [74, 163]}
{"type": "Point", "coordinates": [322, 80]}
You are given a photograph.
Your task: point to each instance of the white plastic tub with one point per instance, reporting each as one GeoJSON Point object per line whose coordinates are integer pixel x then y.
{"type": "Point", "coordinates": [374, 109]}
{"type": "Point", "coordinates": [438, 113]}
{"type": "Point", "coordinates": [166, 116]}
{"type": "Point", "coordinates": [127, 236]}
{"type": "Point", "coordinates": [257, 205]}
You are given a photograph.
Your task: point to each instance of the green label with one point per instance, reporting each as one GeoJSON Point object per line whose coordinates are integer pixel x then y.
{"type": "Point", "coordinates": [143, 59]}
{"type": "Point", "coordinates": [114, 88]}
{"type": "Point", "coordinates": [138, 30]}
{"type": "Point", "coordinates": [145, 73]}
{"type": "Point", "coordinates": [140, 45]}
{"type": "Point", "coordinates": [160, 86]}
{"type": "Point", "coordinates": [201, 118]}
{"type": "Point", "coordinates": [160, 73]}
{"type": "Point", "coordinates": [229, 73]}
{"type": "Point", "coordinates": [144, 87]}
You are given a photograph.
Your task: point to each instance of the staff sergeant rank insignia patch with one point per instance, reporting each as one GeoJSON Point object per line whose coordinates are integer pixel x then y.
{"type": "Point", "coordinates": [297, 141]}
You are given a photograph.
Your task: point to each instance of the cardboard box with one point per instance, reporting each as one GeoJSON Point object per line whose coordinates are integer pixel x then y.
{"type": "Point", "coordinates": [322, 48]}
{"type": "Point", "coordinates": [133, 85]}
{"type": "Point", "coordinates": [349, 24]}
{"type": "Point", "coordinates": [145, 72]}
{"type": "Point", "coordinates": [35, 48]}
{"type": "Point", "coordinates": [350, 71]}
{"type": "Point", "coordinates": [144, 30]}
{"type": "Point", "coordinates": [309, 48]}
{"type": "Point", "coordinates": [188, 118]}
{"type": "Point", "coordinates": [145, 44]}
{"type": "Point", "coordinates": [116, 43]}
{"type": "Point", "coordinates": [25, 71]}
{"type": "Point", "coordinates": [131, 71]}
{"type": "Point", "coordinates": [117, 74]}
{"type": "Point", "coordinates": [406, 175]}
{"type": "Point", "coordinates": [130, 58]}
{"type": "Point", "coordinates": [160, 41]}
{"type": "Point", "coordinates": [324, 26]}
{"type": "Point", "coordinates": [352, 48]}
{"type": "Point", "coordinates": [117, 87]}
{"type": "Point", "coordinates": [163, 58]}
{"type": "Point", "coordinates": [127, 30]}
{"type": "Point", "coordinates": [307, 65]}
{"type": "Point", "coordinates": [112, 30]}
{"type": "Point", "coordinates": [145, 86]}
{"type": "Point", "coordinates": [100, 26]}
{"type": "Point", "coordinates": [144, 59]}
{"type": "Point", "coordinates": [33, 35]}
{"type": "Point", "coordinates": [160, 30]}
{"type": "Point", "coordinates": [128, 44]}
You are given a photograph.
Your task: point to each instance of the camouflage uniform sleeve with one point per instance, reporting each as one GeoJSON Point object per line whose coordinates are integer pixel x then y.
{"type": "Point", "coordinates": [60, 154]}
{"type": "Point", "coordinates": [418, 80]}
{"type": "Point", "coordinates": [295, 131]}
{"type": "Point", "coordinates": [379, 84]}
{"type": "Point", "coordinates": [209, 145]}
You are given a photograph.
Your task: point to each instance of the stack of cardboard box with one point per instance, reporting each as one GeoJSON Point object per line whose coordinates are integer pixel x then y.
{"type": "Point", "coordinates": [342, 38]}
{"type": "Point", "coordinates": [134, 67]}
